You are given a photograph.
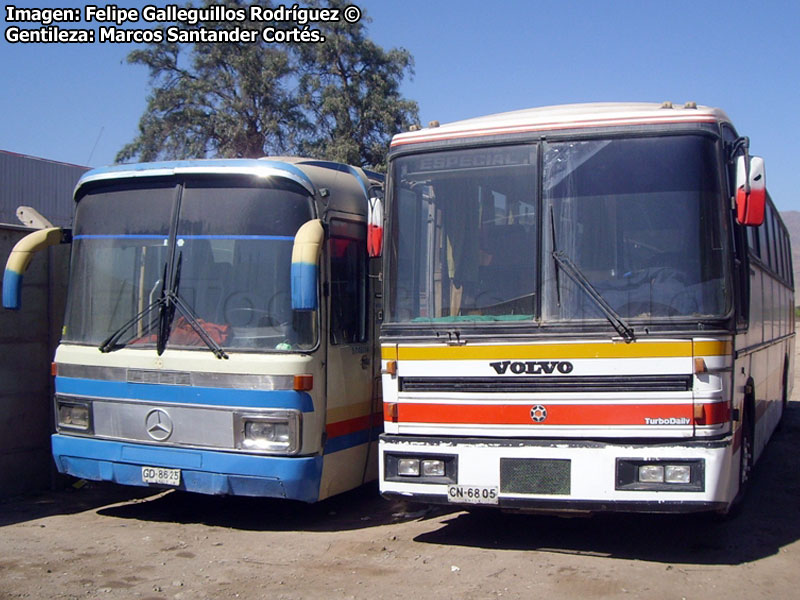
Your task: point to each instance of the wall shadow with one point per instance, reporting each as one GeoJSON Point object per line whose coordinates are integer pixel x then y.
{"type": "Point", "coordinates": [69, 500]}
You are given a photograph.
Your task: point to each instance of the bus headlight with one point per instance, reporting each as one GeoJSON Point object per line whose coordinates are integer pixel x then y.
{"type": "Point", "coordinates": [433, 468]}
{"type": "Point", "coordinates": [408, 467]}
{"type": "Point", "coordinates": [276, 432]}
{"type": "Point", "coordinates": [414, 467]}
{"type": "Point", "coordinates": [74, 415]}
{"type": "Point", "coordinates": [651, 474]}
{"type": "Point", "coordinates": [665, 473]}
{"type": "Point", "coordinates": [441, 468]}
{"type": "Point", "coordinates": [680, 475]}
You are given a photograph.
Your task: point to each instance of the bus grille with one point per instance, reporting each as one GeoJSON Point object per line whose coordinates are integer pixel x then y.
{"type": "Point", "coordinates": [535, 476]}
{"type": "Point", "coordinates": [488, 385]}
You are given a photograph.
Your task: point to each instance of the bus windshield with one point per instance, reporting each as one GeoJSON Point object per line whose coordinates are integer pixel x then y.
{"type": "Point", "coordinates": [638, 219]}
{"type": "Point", "coordinates": [231, 247]}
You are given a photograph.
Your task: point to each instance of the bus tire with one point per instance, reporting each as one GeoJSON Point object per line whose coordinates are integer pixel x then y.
{"type": "Point", "coordinates": [745, 462]}
{"type": "Point", "coordinates": [784, 393]}
{"type": "Point", "coordinates": [746, 452]}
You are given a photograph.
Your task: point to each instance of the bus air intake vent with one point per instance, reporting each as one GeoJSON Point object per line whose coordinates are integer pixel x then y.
{"type": "Point", "coordinates": [489, 385]}
{"type": "Point", "coordinates": [535, 476]}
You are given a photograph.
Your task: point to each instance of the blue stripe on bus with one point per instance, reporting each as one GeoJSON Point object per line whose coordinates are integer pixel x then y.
{"type": "Point", "coordinates": [179, 394]}
{"type": "Point", "coordinates": [351, 440]}
{"type": "Point", "coordinates": [101, 236]}
{"type": "Point", "coordinates": [279, 238]}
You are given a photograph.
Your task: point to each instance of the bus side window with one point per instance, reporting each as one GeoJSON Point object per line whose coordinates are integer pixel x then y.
{"type": "Point", "coordinates": [752, 241]}
{"type": "Point", "coordinates": [347, 248]}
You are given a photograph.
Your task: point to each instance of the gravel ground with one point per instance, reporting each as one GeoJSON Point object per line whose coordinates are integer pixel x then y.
{"type": "Point", "coordinates": [106, 541]}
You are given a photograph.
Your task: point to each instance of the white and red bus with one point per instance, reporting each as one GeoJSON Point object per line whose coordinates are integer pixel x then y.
{"type": "Point", "coordinates": [587, 308]}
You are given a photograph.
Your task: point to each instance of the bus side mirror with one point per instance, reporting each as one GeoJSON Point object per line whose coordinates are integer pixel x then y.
{"type": "Point", "coordinates": [20, 258]}
{"type": "Point", "coordinates": [751, 190]}
{"type": "Point", "coordinates": [305, 269]}
{"type": "Point", "coordinates": [375, 227]}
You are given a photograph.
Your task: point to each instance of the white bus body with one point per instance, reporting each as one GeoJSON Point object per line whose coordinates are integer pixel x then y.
{"type": "Point", "coordinates": [588, 308]}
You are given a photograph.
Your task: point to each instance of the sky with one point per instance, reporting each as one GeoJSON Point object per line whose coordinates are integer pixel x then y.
{"type": "Point", "coordinates": [80, 104]}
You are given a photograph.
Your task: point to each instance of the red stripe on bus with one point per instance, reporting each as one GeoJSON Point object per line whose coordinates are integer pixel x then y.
{"type": "Point", "coordinates": [564, 414]}
{"type": "Point", "coordinates": [714, 414]}
{"type": "Point", "coordinates": [510, 129]}
{"type": "Point", "coordinates": [349, 426]}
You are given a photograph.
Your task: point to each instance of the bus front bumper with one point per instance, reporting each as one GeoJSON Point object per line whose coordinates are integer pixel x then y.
{"type": "Point", "coordinates": [558, 475]}
{"type": "Point", "coordinates": [202, 471]}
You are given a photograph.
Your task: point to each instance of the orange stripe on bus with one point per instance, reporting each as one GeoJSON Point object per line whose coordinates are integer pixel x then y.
{"type": "Point", "coordinates": [672, 349]}
{"type": "Point", "coordinates": [664, 349]}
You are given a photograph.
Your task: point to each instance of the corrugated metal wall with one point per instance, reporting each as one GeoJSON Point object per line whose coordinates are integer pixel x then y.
{"type": "Point", "coordinates": [43, 184]}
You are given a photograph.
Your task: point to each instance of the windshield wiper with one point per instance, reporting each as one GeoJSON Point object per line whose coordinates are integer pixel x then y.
{"type": "Point", "coordinates": [167, 302]}
{"type": "Point", "coordinates": [177, 302]}
{"type": "Point", "coordinates": [111, 342]}
{"type": "Point", "coordinates": [575, 274]}
{"type": "Point", "coordinates": [173, 301]}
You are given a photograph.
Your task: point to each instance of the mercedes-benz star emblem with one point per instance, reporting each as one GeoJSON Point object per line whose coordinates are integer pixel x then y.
{"type": "Point", "coordinates": [158, 424]}
{"type": "Point", "coordinates": [539, 414]}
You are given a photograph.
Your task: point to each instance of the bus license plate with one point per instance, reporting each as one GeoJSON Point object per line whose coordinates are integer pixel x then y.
{"type": "Point", "coordinates": [161, 476]}
{"type": "Point", "coordinates": [472, 494]}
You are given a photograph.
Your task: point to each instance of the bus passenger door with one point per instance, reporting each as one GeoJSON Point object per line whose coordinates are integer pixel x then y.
{"type": "Point", "coordinates": [350, 365]}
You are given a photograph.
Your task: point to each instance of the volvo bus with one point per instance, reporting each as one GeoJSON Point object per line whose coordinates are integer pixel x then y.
{"type": "Point", "coordinates": [219, 331]}
{"type": "Point", "coordinates": [588, 308]}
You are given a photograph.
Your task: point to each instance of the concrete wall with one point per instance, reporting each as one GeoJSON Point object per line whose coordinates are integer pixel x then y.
{"type": "Point", "coordinates": [28, 338]}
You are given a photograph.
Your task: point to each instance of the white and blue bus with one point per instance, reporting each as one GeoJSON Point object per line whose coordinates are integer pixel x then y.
{"type": "Point", "coordinates": [219, 333]}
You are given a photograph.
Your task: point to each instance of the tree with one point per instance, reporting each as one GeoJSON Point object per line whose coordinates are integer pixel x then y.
{"type": "Point", "coordinates": [336, 100]}
{"type": "Point", "coordinates": [225, 100]}
{"type": "Point", "coordinates": [350, 89]}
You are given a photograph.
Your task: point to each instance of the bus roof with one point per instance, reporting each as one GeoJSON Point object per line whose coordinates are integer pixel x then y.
{"type": "Point", "coordinates": [565, 116]}
{"type": "Point", "coordinates": [347, 186]}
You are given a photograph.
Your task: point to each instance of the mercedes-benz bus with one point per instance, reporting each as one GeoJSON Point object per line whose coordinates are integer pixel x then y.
{"type": "Point", "coordinates": [219, 333]}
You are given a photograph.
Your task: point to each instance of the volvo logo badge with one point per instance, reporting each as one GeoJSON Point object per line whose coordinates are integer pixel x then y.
{"type": "Point", "coordinates": [158, 424]}
{"type": "Point", "coordinates": [539, 414]}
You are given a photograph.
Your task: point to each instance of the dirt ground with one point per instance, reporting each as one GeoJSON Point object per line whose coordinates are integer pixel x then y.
{"type": "Point", "coordinates": [106, 541]}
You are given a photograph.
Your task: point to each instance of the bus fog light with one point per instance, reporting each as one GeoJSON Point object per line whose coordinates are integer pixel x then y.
{"type": "Point", "coordinates": [433, 468]}
{"type": "Point", "coordinates": [74, 415]}
{"type": "Point", "coordinates": [651, 474]}
{"type": "Point", "coordinates": [408, 467]}
{"type": "Point", "coordinates": [678, 474]}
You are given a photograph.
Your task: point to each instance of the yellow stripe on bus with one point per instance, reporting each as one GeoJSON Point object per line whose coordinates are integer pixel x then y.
{"type": "Point", "coordinates": [349, 411]}
{"type": "Point", "coordinates": [680, 348]}
{"type": "Point", "coordinates": [714, 348]}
